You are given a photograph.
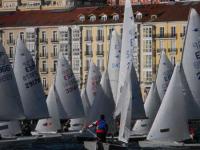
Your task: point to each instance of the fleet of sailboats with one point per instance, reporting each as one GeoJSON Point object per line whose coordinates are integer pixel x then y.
{"type": "Point", "coordinates": [172, 101]}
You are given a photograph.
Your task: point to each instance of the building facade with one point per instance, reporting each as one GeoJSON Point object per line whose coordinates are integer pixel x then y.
{"type": "Point", "coordinates": [83, 34]}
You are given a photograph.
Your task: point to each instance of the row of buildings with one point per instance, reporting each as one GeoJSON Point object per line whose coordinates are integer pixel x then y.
{"type": "Point", "coordinates": [83, 34]}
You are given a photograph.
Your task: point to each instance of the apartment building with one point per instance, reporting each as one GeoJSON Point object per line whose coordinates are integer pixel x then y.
{"type": "Point", "coordinates": [83, 34]}
{"type": "Point", "coordinates": [27, 5]}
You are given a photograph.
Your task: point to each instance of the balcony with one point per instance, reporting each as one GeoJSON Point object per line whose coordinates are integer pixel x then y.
{"type": "Point", "coordinates": [86, 68]}
{"type": "Point", "coordinates": [100, 53]}
{"type": "Point", "coordinates": [160, 50]}
{"type": "Point", "coordinates": [182, 35]}
{"type": "Point", "coordinates": [44, 41]}
{"type": "Point", "coordinates": [89, 39]}
{"type": "Point", "coordinates": [88, 53]}
{"type": "Point", "coordinates": [43, 55]}
{"type": "Point", "coordinates": [45, 87]}
{"type": "Point", "coordinates": [30, 40]}
{"type": "Point", "coordinates": [53, 70]}
{"type": "Point", "coordinates": [43, 70]}
{"type": "Point", "coordinates": [173, 50]}
{"type": "Point", "coordinates": [165, 36]}
{"type": "Point", "coordinates": [54, 40]}
{"type": "Point", "coordinates": [100, 38]}
{"type": "Point", "coordinates": [11, 42]}
{"type": "Point", "coordinates": [54, 55]}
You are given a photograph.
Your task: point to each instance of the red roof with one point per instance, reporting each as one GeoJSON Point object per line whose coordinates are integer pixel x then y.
{"type": "Point", "coordinates": [164, 12]}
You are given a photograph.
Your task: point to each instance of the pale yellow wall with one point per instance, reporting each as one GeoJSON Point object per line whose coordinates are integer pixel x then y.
{"type": "Point", "coordinates": [106, 45]}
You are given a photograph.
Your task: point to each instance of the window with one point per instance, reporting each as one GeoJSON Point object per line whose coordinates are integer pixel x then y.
{"type": "Point", "coordinates": [88, 47]}
{"type": "Point", "coordinates": [116, 17]}
{"type": "Point", "coordinates": [147, 46]}
{"type": "Point", "coordinates": [30, 36]}
{"type": "Point", "coordinates": [100, 34]}
{"type": "Point", "coordinates": [82, 18]}
{"type": "Point", "coordinates": [11, 39]}
{"type": "Point", "coordinates": [55, 36]}
{"type": "Point", "coordinates": [63, 35]}
{"type": "Point", "coordinates": [173, 60]}
{"type": "Point", "coordinates": [21, 36]}
{"type": "Point", "coordinates": [99, 47]}
{"type": "Point", "coordinates": [55, 62]}
{"type": "Point", "coordinates": [147, 32]}
{"type": "Point", "coordinates": [88, 34]}
{"type": "Point", "coordinates": [148, 61]}
{"type": "Point", "coordinates": [44, 51]}
{"type": "Point", "coordinates": [173, 44]}
{"type": "Point", "coordinates": [173, 31]}
{"type": "Point", "coordinates": [63, 47]}
{"type": "Point", "coordinates": [161, 43]}
{"type": "Point", "coordinates": [104, 17]}
{"type": "Point", "coordinates": [44, 82]}
{"type": "Point", "coordinates": [92, 18]}
{"type": "Point", "coordinates": [139, 15]}
{"type": "Point", "coordinates": [43, 35]}
{"type": "Point", "coordinates": [11, 52]}
{"type": "Point", "coordinates": [110, 32]}
{"type": "Point", "coordinates": [55, 50]}
{"type": "Point", "coordinates": [162, 31]}
{"type": "Point", "coordinates": [148, 76]}
{"type": "Point", "coordinates": [44, 66]}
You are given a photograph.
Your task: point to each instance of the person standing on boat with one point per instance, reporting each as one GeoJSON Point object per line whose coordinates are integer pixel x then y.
{"type": "Point", "coordinates": [101, 128]}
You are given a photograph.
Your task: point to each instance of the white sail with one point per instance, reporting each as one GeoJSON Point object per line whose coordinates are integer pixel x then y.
{"type": "Point", "coordinates": [10, 128]}
{"type": "Point", "coordinates": [171, 122]}
{"type": "Point", "coordinates": [164, 74]}
{"type": "Point", "coordinates": [132, 104]}
{"type": "Point", "coordinates": [51, 124]}
{"type": "Point", "coordinates": [9, 95]}
{"type": "Point", "coordinates": [128, 45]}
{"type": "Point", "coordinates": [93, 82]}
{"type": "Point", "coordinates": [114, 63]}
{"type": "Point", "coordinates": [191, 55]}
{"type": "Point", "coordinates": [78, 124]}
{"type": "Point", "coordinates": [103, 102]}
{"type": "Point", "coordinates": [151, 107]}
{"type": "Point", "coordinates": [67, 89]}
{"type": "Point", "coordinates": [29, 84]}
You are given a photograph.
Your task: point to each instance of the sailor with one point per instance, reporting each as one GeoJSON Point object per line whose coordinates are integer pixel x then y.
{"type": "Point", "coordinates": [101, 128]}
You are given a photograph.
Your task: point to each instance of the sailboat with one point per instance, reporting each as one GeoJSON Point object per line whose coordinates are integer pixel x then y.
{"type": "Point", "coordinates": [190, 57]}
{"type": "Point", "coordinates": [103, 102]}
{"type": "Point", "coordinates": [9, 129]}
{"type": "Point", "coordinates": [171, 124]}
{"type": "Point", "coordinates": [114, 63]}
{"type": "Point", "coordinates": [10, 98]}
{"type": "Point", "coordinates": [52, 124]}
{"type": "Point", "coordinates": [155, 96]}
{"type": "Point", "coordinates": [132, 104]}
{"type": "Point", "coordinates": [151, 107]}
{"type": "Point", "coordinates": [128, 45]}
{"type": "Point", "coordinates": [94, 77]}
{"type": "Point", "coordinates": [29, 84]}
{"type": "Point", "coordinates": [66, 87]}
{"type": "Point", "coordinates": [165, 72]}
{"type": "Point", "coordinates": [88, 95]}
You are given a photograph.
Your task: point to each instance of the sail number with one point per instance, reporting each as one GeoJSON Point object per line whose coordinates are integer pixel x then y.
{"type": "Point", "coordinates": [5, 68]}
{"type": "Point", "coordinates": [196, 63]}
{"type": "Point", "coordinates": [32, 83]}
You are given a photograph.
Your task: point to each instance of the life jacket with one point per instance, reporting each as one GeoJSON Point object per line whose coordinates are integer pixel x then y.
{"type": "Point", "coordinates": [101, 126]}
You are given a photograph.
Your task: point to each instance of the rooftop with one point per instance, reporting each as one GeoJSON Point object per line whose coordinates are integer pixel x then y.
{"type": "Point", "coordinates": [161, 12]}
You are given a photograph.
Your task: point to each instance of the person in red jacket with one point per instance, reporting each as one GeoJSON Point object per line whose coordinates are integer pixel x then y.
{"type": "Point", "coordinates": [101, 128]}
